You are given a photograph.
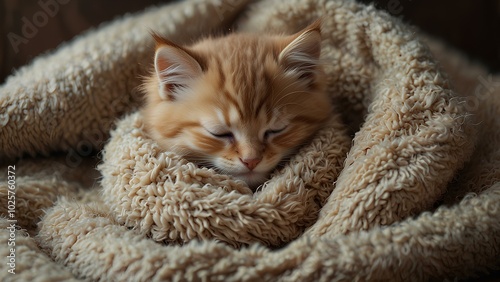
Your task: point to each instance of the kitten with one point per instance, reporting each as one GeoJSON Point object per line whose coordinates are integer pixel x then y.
{"type": "Point", "coordinates": [238, 103]}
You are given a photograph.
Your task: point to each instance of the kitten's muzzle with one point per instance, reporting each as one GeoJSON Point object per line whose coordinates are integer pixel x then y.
{"type": "Point", "coordinates": [251, 163]}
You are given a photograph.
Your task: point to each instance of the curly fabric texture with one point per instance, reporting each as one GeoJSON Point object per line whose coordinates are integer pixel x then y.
{"type": "Point", "coordinates": [414, 195]}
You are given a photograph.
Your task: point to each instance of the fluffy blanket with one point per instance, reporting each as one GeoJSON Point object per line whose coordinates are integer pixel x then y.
{"type": "Point", "coordinates": [403, 183]}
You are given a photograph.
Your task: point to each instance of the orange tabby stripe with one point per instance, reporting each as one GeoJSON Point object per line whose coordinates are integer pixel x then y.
{"type": "Point", "coordinates": [179, 128]}
{"type": "Point", "coordinates": [235, 103]}
{"type": "Point", "coordinates": [264, 99]}
{"type": "Point", "coordinates": [286, 139]}
{"type": "Point", "coordinates": [208, 144]}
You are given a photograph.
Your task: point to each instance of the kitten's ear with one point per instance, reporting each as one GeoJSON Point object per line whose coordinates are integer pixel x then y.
{"type": "Point", "coordinates": [301, 55]}
{"type": "Point", "coordinates": [175, 69]}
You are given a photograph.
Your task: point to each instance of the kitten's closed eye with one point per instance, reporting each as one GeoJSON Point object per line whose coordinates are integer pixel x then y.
{"type": "Point", "coordinates": [218, 130]}
{"type": "Point", "coordinates": [229, 135]}
{"type": "Point", "coordinates": [239, 103]}
{"type": "Point", "coordinates": [270, 132]}
{"type": "Point", "coordinates": [223, 135]}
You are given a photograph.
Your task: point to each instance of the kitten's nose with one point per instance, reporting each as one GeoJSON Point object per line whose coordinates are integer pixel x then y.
{"type": "Point", "coordinates": [251, 163]}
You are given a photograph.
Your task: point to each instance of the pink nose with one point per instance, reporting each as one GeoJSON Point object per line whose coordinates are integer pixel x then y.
{"type": "Point", "coordinates": [250, 163]}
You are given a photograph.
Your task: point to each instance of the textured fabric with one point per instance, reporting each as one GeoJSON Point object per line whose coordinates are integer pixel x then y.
{"type": "Point", "coordinates": [414, 195]}
{"type": "Point", "coordinates": [31, 264]}
{"type": "Point", "coordinates": [172, 200]}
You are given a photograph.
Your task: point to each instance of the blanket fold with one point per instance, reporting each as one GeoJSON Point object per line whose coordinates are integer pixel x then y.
{"type": "Point", "coordinates": [172, 200]}
{"type": "Point", "coordinates": [411, 251]}
{"type": "Point", "coordinates": [413, 194]}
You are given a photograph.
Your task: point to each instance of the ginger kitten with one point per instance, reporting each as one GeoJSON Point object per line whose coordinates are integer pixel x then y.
{"type": "Point", "coordinates": [238, 103]}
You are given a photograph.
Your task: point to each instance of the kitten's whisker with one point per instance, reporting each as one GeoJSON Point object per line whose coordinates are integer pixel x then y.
{"type": "Point", "coordinates": [286, 87]}
{"type": "Point", "coordinates": [286, 95]}
{"type": "Point", "coordinates": [275, 103]}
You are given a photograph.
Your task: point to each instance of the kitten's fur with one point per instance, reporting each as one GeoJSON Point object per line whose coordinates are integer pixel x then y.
{"type": "Point", "coordinates": [238, 103]}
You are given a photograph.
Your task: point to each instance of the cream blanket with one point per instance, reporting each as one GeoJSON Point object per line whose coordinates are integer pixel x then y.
{"type": "Point", "coordinates": [402, 184]}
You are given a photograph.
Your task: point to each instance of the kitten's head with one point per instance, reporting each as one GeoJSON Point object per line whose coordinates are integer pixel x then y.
{"type": "Point", "coordinates": [238, 103]}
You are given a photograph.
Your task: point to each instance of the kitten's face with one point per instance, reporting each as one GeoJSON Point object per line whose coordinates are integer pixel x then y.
{"type": "Point", "coordinates": [239, 103]}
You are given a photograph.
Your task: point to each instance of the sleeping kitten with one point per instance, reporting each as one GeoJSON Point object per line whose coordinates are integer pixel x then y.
{"type": "Point", "coordinates": [238, 103]}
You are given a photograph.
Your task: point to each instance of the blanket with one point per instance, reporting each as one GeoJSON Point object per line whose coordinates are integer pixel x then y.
{"type": "Point", "coordinates": [402, 184]}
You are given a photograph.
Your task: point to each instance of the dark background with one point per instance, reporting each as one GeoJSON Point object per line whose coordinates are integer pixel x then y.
{"type": "Point", "coordinates": [471, 26]}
